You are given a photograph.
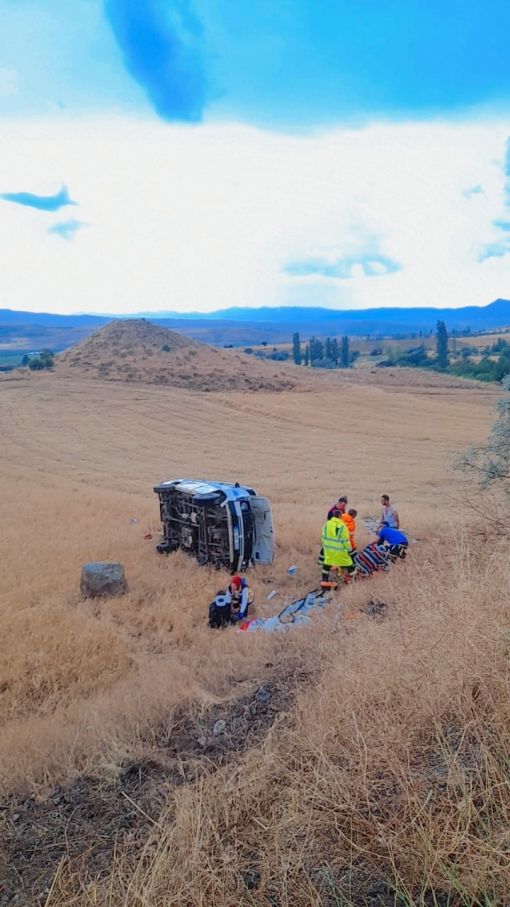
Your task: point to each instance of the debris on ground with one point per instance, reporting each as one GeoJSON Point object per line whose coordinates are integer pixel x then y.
{"type": "Point", "coordinates": [371, 523]}
{"type": "Point", "coordinates": [296, 612]}
{"type": "Point", "coordinates": [376, 609]}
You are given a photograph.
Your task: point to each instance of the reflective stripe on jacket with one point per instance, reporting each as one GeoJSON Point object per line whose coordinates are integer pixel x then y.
{"type": "Point", "coordinates": [335, 543]}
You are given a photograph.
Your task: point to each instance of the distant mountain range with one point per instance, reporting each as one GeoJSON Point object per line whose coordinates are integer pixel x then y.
{"type": "Point", "coordinates": [495, 314]}
{"type": "Point", "coordinates": [245, 326]}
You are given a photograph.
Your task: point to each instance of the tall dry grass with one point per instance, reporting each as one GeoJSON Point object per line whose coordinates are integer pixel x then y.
{"type": "Point", "coordinates": [82, 683]}
{"type": "Point", "coordinates": [391, 784]}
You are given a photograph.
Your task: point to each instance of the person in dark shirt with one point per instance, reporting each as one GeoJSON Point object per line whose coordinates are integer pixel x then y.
{"type": "Point", "coordinates": [395, 539]}
{"type": "Point", "coordinates": [338, 509]}
{"type": "Point", "coordinates": [220, 610]}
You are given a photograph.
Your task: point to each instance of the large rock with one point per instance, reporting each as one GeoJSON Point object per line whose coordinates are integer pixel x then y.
{"type": "Point", "coordinates": [98, 578]}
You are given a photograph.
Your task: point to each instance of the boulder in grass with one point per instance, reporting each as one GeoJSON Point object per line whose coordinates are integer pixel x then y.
{"type": "Point", "coordinates": [102, 578]}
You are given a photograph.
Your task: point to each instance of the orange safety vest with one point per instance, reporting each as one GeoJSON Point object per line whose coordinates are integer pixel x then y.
{"type": "Point", "coordinates": [350, 522]}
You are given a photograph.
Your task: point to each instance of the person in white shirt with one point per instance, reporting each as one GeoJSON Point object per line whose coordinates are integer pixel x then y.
{"type": "Point", "coordinates": [389, 514]}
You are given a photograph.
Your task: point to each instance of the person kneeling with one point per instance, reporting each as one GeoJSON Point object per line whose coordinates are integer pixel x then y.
{"type": "Point", "coordinates": [220, 611]}
{"type": "Point", "coordinates": [395, 539]}
{"type": "Point", "coordinates": [240, 598]}
{"type": "Point", "coordinates": [230, 605]}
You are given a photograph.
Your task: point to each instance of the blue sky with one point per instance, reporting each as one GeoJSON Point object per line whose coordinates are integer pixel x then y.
{"type": "Point", "coordinates": [295, 62]}
{"type": "Point", "coordinates": [337, 152]}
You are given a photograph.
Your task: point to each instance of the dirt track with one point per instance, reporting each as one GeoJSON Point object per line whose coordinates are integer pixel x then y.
{"type": "Point", "coordinates": [78, 829]}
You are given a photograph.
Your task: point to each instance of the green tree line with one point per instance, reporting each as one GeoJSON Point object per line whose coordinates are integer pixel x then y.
{"type": "Point", "coordinates": [328, 353]}
{"type": "Point", "coordinates": [45, 359]}
{"type": "Point", "coordinates": [492, 365]}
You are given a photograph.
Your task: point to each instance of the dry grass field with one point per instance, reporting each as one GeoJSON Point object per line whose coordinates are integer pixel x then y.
{"type": "Point", "coordinates": [378, 772]}
{"type": "Point", "coordinates": [482, 340]}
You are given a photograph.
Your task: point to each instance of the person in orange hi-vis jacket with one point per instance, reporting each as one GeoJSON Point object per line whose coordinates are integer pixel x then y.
{"type": "Point", "coordinates": [349, 519]}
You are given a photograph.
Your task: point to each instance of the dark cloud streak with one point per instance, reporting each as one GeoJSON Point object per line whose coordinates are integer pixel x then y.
{"type": "Point", "coordinates": [161, 45]}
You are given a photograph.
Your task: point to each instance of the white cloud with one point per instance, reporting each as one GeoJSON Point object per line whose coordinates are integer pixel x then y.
{"type": "Point", "coordinates": [200, 218]}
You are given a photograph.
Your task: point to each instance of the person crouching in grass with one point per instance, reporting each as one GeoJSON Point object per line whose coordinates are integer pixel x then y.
{"type": "Point", "coordinates": [395, 539]}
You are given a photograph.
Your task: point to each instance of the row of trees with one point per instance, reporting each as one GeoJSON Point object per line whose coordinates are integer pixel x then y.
{"type": "Point", "coordinates": [418, 356]}
{"type": "Point", "coordinates": [331, 353]}
{"type": "Point", "coordinates": [492, 365]}
{"type": "Point", "coordinates": [45, 359]}
{"type": "Point", "coordinates": [323, 354]}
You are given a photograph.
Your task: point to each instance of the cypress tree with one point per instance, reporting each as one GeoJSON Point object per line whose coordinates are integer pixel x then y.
{"type": "Point", "coordinates": [442, 345]}
{"type": "Point", "coordinates": [296, 348]}
{"type": "Point", "coordinates": [316, 350]}
{"type": "Point", "coordinates": [345, 357]}
{"type": "Point", "coordinates": [334, 350]}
